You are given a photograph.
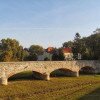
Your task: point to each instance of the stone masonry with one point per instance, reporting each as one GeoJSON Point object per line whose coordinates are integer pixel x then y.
{"type": "Point", "coordinates": [7, 69]}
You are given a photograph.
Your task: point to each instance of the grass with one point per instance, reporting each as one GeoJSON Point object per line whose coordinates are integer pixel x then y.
{"type": "Point", "coordinates": [23, 87]}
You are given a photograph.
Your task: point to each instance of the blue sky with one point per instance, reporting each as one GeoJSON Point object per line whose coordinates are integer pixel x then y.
{"type": "Point", "coordinates": [48, 22]}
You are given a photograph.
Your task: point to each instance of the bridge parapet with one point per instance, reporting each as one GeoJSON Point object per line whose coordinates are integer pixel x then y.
{"type": "Point", "coordinates": [8, 69]}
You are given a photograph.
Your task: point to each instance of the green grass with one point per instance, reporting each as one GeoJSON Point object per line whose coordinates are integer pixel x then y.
{"type": "Point", "coordinates": [58, 88]}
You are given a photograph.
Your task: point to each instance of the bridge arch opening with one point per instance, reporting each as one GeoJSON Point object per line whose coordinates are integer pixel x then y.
{"type": "Point", "coordinates": [23, 75]}
{"type": "Point", "coordinates": [62, 72]}
{"type": "Point", "coordinates": [87, 70]}
{"type": "Point", "coordinates": [26, 75]}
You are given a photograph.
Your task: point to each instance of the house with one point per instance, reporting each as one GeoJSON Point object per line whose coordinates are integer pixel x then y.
{"type": "Point", "coordinates": [40, 58]}
{"type": "Point", "coordinates": [68, 54]}
{"type": "Point", "coordinates": [47, 54]}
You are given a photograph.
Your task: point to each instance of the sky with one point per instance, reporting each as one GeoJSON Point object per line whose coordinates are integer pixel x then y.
{"type": "Point", "coordinates": [48, 23]}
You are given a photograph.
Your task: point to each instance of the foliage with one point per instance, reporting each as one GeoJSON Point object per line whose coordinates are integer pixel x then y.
{"type": "Point", "coordinates": [88, 47]}
{"type": "Point", "coordinates": [10, 50]}
{"type": "Point", "coordinates": [34, 51]}
{"type": "Point", "coordinates": [68, 44]}
{"type": "Point", "coordinates": [57, 55]}
{"type": "Point", "coordinates": [25, 55]}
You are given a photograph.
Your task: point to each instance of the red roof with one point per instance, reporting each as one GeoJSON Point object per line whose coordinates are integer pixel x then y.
{"type": "Point", "coordinates": [50, 49]}
{"type": "Point", "coordinates": [67, 50]}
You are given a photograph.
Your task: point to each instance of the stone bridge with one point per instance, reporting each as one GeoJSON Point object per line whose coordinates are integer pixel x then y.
{"type": "Point", "coordinates": [44, 68]}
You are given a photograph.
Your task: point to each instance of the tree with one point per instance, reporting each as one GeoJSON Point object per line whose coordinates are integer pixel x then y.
{"type": "Point", "coordinates": [32, 57]}
{"type": "Point", "coordinates": [6, 56]}
{"type": "Point", "coordinates": [19, 54]}
{"type": "Point", "coordinates": [89, 47]}
{"type": "Point", "coordinates": [55, 57]}
{"type": "Point", "coordinates": [10, 50]}
{"type": "Point", "coordinates": [34, 51]}
{"type": "Point", "coordinates": [77, 37]}
{"type": "Point", "coordinates": [93, 45]}
{"type": "Point", "coordinates": [61, 55]}
{"type": "Point", "coordinates": [68, 44]}
{"type": "Point", "coordinates": [77, 45]}
{"type": "Point", "coordinates": [25, 55]}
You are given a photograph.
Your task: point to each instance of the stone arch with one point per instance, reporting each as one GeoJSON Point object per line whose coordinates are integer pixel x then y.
{"type": "Point", "coordinates": [20, 75]}
{"type": "Point", "coordinates": [19, 70]}
{"type": "Point", "coordinates": [63, 72]}
{"type": "Point", "coordinates": [5, 78]}
{"type": "Point", "coordinates": [86, 70]}
{"type": "Point", "coordinates": [36, 74]}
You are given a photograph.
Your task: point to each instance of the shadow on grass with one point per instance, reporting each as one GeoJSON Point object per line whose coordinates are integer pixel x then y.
{"type": "Point", "coordinates": [22, 76]}
{"type": "Point", "coordinates": [62, 72]}
{"type": "Point", "coordinates": [94, 95]}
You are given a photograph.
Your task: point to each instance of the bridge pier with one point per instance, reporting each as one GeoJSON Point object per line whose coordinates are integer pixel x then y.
{"type": "Point", "coordinates": [3, 79]}
{"type": "Point", "coordinates": [46, 76]}
{"type": "Point", "coordinates": [76, 74]}
{"type": "Point", "coordinates": [43, 76]}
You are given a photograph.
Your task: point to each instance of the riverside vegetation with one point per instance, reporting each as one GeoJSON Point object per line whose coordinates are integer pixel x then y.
{"type": "Point", "coordinates": [88, 47]}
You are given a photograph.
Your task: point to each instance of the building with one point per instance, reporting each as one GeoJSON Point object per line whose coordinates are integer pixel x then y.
{"type": "Point", "coordinates": [67, 53]}
{"type": "Point", "coordinates": [47, 54]}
